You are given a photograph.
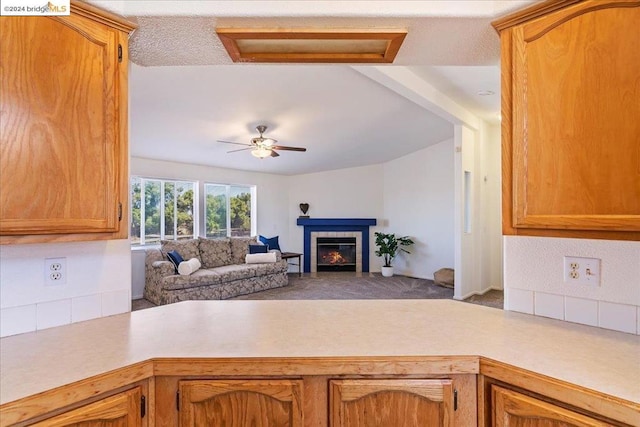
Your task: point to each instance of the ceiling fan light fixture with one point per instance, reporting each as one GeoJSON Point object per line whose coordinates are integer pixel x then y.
{"type": "Point", "coordinates": [262, 147]}
{"type": "Point", "coordinates": [261, 152]}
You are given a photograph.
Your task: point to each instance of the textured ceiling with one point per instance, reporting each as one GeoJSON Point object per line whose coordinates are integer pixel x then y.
{"type": "Point", "coordinates": [430, 41]}
{"type": "Point", "coordinates": [186, 93]}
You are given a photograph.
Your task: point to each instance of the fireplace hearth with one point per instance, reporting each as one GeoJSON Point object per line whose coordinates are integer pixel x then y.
{"type": "Point", "coordinates": [336, 253]}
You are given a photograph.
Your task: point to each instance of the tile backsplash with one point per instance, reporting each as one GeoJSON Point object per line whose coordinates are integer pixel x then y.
{"type": "Point", "coordinates": [98, 284]}
{"type": "Point", "coordinates": [534, 281]}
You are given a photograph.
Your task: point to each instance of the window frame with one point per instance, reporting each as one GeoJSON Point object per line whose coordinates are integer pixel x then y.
{"type": "Point", "coordinates": [253, 211]}
{"type": "Point", "coordinates": [163, 181]}
{"type": "Point", "coordinates": [199, 207]}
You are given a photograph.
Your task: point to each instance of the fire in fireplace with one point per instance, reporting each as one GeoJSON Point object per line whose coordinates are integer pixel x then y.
{"type": "Point", "coordinates": [336, 253]}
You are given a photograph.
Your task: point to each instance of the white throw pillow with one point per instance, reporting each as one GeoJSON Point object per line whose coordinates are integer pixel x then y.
{"type": "Point", "coordinates": [188, 267]}
{"type": "Point", "coordinates": [260, 258]}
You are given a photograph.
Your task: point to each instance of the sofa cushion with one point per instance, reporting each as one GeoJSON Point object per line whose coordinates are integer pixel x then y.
{"type": "Point", "coordinates": [258, 249]}
{"type": "Point", "coordinates": [199, 278]}
{"type": "Point", "coordinates": [189, 267]}
{"type": "Point", "coordinates": [260, 258]}
{"type": "Point", "coordinates": [229, 273]}
{"type": "Point", "coordinates": [186, 248]}
{"type": "Point", "coordinates": [270, 268]}
{"type": "Point", "coordinates": [240, 248]}
{"type": "Point", "coordinates": [175, 258]}
{"type": "Point", "coordinates": [215, 252]}
{"type": "Point", "coordinates": [271, 242]}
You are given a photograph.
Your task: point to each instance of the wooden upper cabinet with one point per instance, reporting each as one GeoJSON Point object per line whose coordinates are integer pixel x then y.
{"type": "Point", "coordinates": [383, 403]}
{"type": "Point", "coordinates": [63, 133]}
{"type": "Point", "coordinates": [239, 403]}
{"type": "Point", "coordinates": [571, 119]}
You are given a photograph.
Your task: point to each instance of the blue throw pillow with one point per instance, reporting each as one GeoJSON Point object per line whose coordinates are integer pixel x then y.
{"type": "Point", "coordinates": [175, 259]}
{"type": "Point", "coordinates": [272, 242]}
{"type": "Point", "coordinates": [258, 249]}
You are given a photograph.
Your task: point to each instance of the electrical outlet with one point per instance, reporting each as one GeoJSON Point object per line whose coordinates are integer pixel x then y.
{"type": "Point", "coordinates": [582, 271]}
{"type": "Point", "coordinates": [55, 271]}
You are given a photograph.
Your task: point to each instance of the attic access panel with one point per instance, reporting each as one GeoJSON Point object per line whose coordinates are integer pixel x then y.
{"type": "Point", "coordinates": [307, 46]}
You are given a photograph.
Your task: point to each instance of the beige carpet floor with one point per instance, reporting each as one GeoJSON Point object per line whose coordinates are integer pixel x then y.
{"type": "Point", "coordinates": [352, 286]}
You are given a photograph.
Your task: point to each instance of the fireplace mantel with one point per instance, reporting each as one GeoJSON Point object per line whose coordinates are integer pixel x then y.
{"type": "Point", "coordinates": [339, 225]}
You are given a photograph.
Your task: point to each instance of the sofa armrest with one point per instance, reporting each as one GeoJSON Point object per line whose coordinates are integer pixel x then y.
{"type": "Point", "coordinates": [278, 254]}
{"type": "Point", "coordinates": [155, 268]}
{"type": "Point", "coordinates": [163, 268]}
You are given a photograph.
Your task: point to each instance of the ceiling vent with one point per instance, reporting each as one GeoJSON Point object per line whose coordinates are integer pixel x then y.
{"type": "Point", "coordinates": [311, 45]}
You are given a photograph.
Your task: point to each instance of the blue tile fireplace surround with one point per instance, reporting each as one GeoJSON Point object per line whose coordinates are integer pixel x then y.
{"type": "Point", "coordinates": [336, 224]}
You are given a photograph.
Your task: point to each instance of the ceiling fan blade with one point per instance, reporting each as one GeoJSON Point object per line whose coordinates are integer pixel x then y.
{"type": "Point", "coordinates": [236, 143]}
{"type": "Point", "coordinates": [273, 153]}
{"type": "Point", "coordinates": [240, 149]}
{"type": "Point", "coordinates": [282, 147]}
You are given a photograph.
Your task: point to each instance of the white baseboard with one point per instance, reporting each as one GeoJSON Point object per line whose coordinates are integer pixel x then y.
{"type": "Point", "coordinates": [470, 294]}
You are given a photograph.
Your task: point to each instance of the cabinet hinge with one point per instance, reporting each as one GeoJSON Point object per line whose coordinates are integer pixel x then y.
{"type": "Point", "coordinates": [178, 400]}
{"type": "Point", "coordinates": [119, 211]}
{"type": "Point", "coordinates": [455, 399]}
{"type": "Point", "coordinates": [143, 406]}
{"type": "Point", "coordinates": [119, 53]}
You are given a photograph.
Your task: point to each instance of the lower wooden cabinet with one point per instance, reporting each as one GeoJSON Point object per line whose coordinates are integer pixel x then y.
{"type": "Point", "coordinates": [513, 409]}
{"type": "Point", "coordinates": [383, 403]}
{"type": "Point", "coordinates": [275, 393]}
{"type": "Point", "coordinates": [514, 397]}
{"type": "Point", "coordinates": [120, 410]}
{"type": "Point", "coordinates": [316, 400]}
{"type": "Point", "coordinates": [240, 403]}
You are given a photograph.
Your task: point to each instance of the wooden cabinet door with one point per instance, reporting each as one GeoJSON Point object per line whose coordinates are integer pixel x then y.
{"type": "Point", "coordinates": [121, 410]}
{"type": "Point", "coordinates": [385, 403]}
{"type": "Point", "coordinates": [571, 134]}
{"type": "Point", "coordinates": [61, 147]}
{"type": "Point", "coordinates": [513, 409]}
{"type": "Point", "coordinates": [240, 403]}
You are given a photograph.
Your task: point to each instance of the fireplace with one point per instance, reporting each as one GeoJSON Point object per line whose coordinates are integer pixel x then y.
{"type": "Point", "coordinates": [354, 228]}
{"type": "Point", "coordinates": [336, 254]}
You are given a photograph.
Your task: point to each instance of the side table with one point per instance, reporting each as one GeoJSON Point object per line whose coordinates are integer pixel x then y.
{"type": "Point", "coordinates": [289, 255]}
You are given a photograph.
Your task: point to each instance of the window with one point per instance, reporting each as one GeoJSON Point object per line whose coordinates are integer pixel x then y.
{"type": "Point", "coordinates": [162, 209]}
{"type": "Point", "coordinates": [228, 210]}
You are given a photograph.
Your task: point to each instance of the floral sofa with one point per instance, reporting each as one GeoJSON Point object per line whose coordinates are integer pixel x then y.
{"type": "Point", "coordinates": [224, 273]}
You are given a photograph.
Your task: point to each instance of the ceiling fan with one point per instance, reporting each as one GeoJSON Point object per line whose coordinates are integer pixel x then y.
{"type": "Point", "coordinates": [262, 147]}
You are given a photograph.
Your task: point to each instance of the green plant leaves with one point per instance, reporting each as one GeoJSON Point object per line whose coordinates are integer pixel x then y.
{"type": "Point", "coordinates": [389, 245]}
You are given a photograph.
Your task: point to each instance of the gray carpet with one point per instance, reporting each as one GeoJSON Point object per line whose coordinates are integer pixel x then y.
{"type": "Point", "coordinates": [350, 286]}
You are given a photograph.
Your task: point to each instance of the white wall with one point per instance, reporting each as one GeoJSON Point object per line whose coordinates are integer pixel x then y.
{"type": "Point", "coordinates": [98, 284]}
{"type": "Point", "coordinates": [418, 202]}
{"type": "Point", "coordinates": [491, 208]}
{"type": "Point", "coordinates": [478, 250]}
{"type": "Point", "coordinates": [534, 281]}
{"type": "Point", "coordinates": [343, 193]}
{"type": "Point", "coordinates": [466, 271]}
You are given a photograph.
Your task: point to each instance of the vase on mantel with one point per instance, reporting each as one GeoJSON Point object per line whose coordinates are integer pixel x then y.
{"type": "Point", "coordinates": [387, 271]}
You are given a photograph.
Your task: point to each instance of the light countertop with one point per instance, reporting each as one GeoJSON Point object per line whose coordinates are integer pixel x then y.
{"type": "Point", "coordinates": [594, 358]}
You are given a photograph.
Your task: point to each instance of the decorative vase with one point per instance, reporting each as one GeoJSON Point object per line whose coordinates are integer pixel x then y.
{"type": "Point", "coordinates": [387, 271]}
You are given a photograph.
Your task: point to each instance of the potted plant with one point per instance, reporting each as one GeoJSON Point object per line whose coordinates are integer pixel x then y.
{"type": "Point", "coordinates": [388, 247]}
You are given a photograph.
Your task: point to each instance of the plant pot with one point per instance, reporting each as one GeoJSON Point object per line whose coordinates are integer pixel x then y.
{"type": "Point", "coordinates": [387, 271]}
